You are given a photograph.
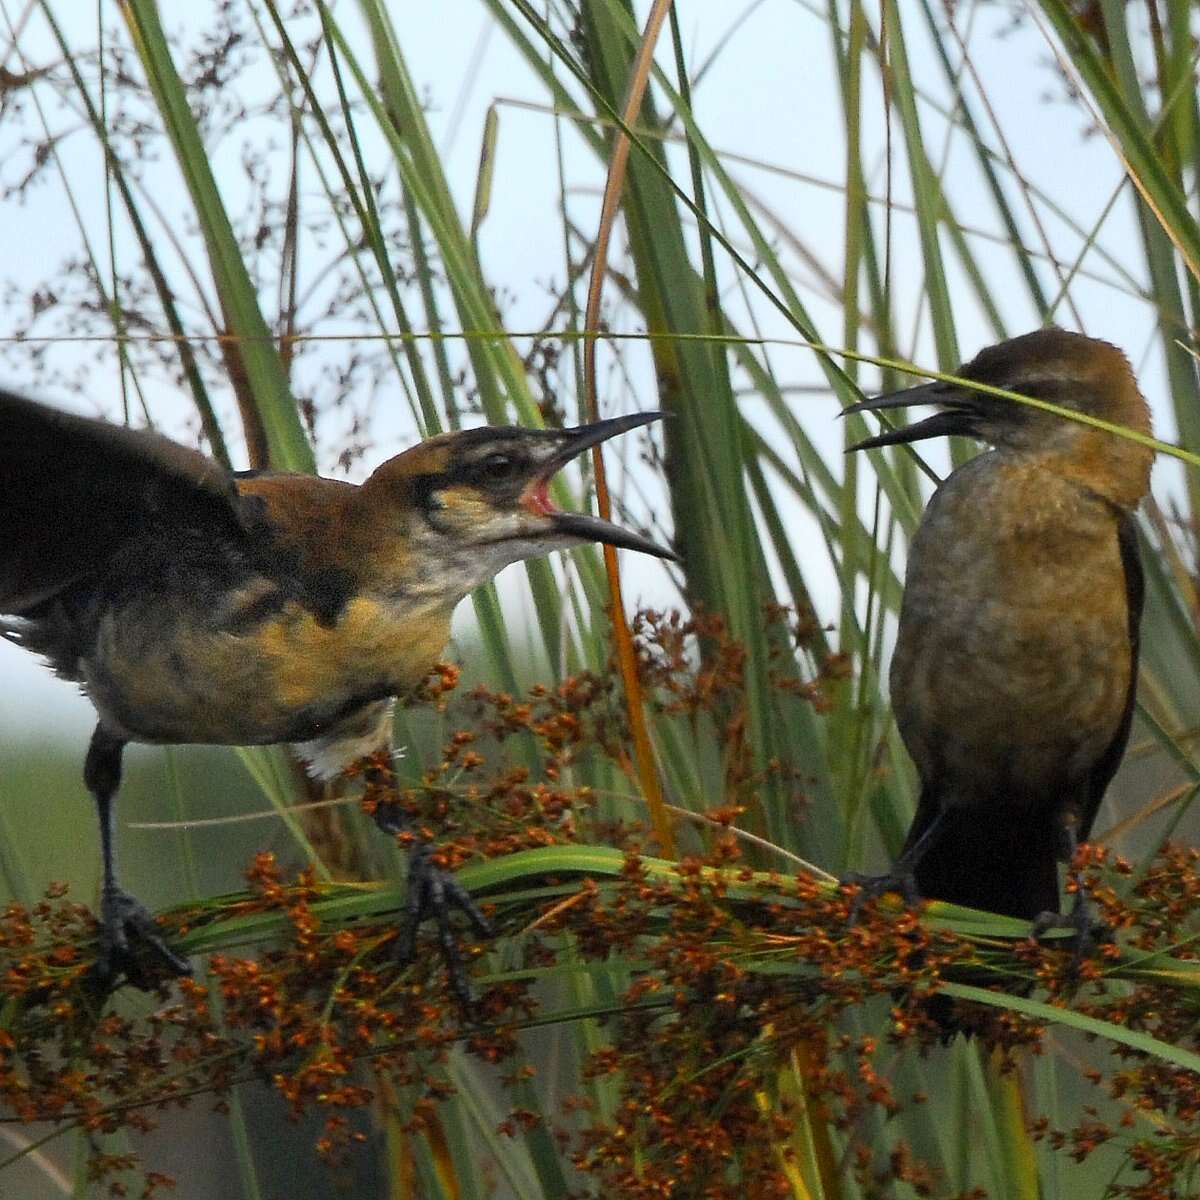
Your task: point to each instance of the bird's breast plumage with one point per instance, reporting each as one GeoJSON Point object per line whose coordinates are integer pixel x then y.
{"type": "Point", "coordinates": [281, 675]}
{"type": "Point", "coordinates": [1013, 660]}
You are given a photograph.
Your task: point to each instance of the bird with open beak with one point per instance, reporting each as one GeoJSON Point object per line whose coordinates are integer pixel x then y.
{"type": "Point", "coordinates": [196, 605]}
{"type": "Point", "coordinates": [1015, 666]}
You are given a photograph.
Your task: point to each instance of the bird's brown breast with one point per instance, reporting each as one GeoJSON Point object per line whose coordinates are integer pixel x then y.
{"type": "Point", "coordinates": [287, 677]}
{"type": "Point", "coordinates": [1013, 660]}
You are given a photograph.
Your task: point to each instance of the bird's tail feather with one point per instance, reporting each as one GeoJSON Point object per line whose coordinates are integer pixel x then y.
{"type": "Point", "coordinates": [995, 859]}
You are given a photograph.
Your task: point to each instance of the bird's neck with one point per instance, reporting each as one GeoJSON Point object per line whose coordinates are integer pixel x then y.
{"type": "Point", "coordinates": [402, 556]}
{"type": "Point", "coordinates": [1104, 464]}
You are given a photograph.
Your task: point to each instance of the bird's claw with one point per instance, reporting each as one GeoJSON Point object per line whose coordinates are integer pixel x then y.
{"type": "Point", "coordinates": [432, 892]}
{"type": "Point", "coordinates": [1088, 934]}
{"type": "Point", "coordinates": [131, 944]}
{"type": "Point", "coordinates": [871, 887]}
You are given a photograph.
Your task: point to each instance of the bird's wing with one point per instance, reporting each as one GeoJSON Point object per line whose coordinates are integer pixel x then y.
{"type": "Point", "coordinates": [73, 490]}
{"type": "Point", "coordinates": [1135, 595]}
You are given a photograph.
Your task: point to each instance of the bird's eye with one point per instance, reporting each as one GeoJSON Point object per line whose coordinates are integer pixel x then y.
{"type": "Point", "coordinates": [498, 467]}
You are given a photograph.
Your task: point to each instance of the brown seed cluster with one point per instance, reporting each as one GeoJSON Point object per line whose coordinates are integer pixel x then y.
{"type": "Point", "coordinates": [750, 1006]}
{"type": "Point", "coordinates": [1158, 1130]}
{"type": "Point", "coordinates": [743, 997]}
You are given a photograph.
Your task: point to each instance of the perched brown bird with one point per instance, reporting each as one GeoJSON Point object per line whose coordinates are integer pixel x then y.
{"type": "Point", "coordinates": [195, 605]}
{"type": "Point", "coordinates": [1015, 666]}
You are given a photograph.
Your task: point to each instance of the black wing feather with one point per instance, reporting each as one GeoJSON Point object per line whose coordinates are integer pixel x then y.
{"type": "Point", "coordinates": [1135, 597]}
{"type": "Point", "coordinates": [73, 490]}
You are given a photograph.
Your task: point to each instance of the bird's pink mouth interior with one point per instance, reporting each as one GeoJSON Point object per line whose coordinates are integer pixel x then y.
{"type": "Point", "coordinates": [537, 498]}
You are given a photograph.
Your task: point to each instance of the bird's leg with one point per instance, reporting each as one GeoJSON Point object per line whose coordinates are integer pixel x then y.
{"type": "Point", "coordinates": [130, 940]}
{"type": "Point", "coordinates": [1087, 931]}
{"type": "Point", "coordinates": [901, 878]}
{"type": "Point", "coordinates": [432, 889]}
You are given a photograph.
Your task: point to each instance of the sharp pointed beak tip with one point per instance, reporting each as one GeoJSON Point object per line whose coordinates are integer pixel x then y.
{"type": "Point", "coordinates": [657, 551]}
{"type": "Point", "coordinates": [583, 437]}
{"type": "Point", "coordinates": [873, 443]}
{"type": "Point", "coordinates": [933, 392]}
{"type": "Point", "coordinates": [953, 422]}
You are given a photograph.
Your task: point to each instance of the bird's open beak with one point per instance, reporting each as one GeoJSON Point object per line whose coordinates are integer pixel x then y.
{"type": "Point", "coordinates": [958, 415]}
{"type": "Point", "coordinates": [583, 526]}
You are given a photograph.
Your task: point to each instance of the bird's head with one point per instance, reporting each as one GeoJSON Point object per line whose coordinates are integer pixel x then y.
{"type": "Point", "coordinates": [1075, 372]}
{"type": "Point", "coordinates": [476, 500]}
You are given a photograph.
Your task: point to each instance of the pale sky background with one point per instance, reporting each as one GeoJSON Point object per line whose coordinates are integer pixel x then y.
{"type": "Point", "coordinates": [769, 98]}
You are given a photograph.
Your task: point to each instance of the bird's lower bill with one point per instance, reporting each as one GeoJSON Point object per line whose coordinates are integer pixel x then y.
{"type": "Point", "coordinates": [592, 529]}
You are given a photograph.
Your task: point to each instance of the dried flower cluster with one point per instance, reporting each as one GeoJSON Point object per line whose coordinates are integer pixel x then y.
{"type": "Point", "coordinates": [756, 1017]}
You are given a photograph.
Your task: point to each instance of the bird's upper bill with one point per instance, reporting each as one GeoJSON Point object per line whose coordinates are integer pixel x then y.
{"type": "Point", "coordinates": [550, 451]}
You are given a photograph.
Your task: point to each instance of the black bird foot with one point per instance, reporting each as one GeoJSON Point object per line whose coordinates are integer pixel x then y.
{"type": "Point", "coordinates": [432, 892]}
{"type": "Point", "coordinates": [1088, 934]}
{"type": "Point", "coordinates": [871, 887]}
{"type": "Point", "coordinates": [131, 944]}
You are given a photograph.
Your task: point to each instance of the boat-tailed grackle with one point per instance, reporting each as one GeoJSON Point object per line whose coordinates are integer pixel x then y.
{"type": "Point", "coordinates": [1015, 666]}
{"type": "Point", "coordinates": [196, 605]}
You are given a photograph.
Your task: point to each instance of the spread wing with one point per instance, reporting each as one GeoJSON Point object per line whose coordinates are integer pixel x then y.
{"type": "Point", "coordinates": [1135, 595]}
{"type": "Point", "coordinates": [72, 490]}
